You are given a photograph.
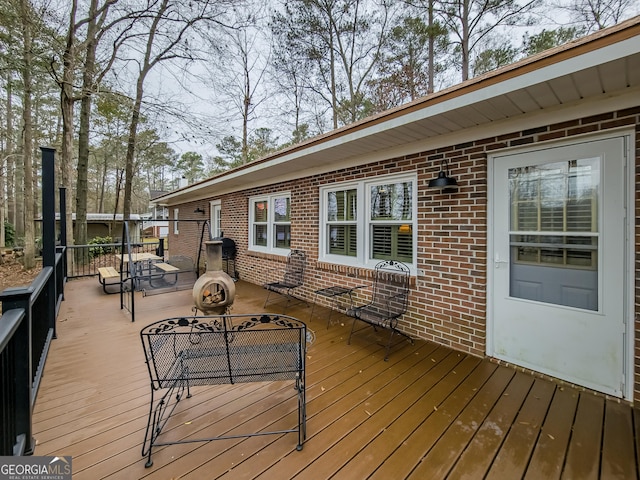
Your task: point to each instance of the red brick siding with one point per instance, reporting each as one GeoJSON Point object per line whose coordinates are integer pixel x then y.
{"type": "Point", "coordinates": [448, 303]}
{"type": "Point", "coordinates": [190, 225]}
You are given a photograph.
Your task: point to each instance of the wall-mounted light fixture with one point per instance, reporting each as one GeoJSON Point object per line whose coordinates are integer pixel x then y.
{"type": "Point", "coordinates": [443, 181]}
{"type": "Point", "coordinates": [199, 210]}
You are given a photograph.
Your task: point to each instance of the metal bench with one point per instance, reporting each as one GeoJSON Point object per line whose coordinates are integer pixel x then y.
{"type": "Point", "coordinates": [166, 267]}
{"type": "Point", "coordinates": [186, 352]}
{"type": "Point", "coordinates": [169, 275]}
{"type": "Point", "coordinates": [108, 273]}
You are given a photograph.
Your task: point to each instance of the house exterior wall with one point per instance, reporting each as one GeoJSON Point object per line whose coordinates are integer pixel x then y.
{"type": "Point", "coordinates": [448, 301]}
{"type": "Point", "coordinates": [190, 225]}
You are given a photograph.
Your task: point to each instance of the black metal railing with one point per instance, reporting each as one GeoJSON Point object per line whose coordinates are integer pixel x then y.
{"type": "Point", "coordinates": [28, 325]}
{"type": "Point", "coordinates": [84, 260]}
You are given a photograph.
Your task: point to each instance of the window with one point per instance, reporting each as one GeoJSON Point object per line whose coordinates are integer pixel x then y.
{"type": "Point", "coordinates": [175, 221]}
{"type": "Point", "coordinates": [341, 222]}
{"type": "Point", "coordinates": [270, 223]}
{"type": "Point", "coordinates": [368, 221]}
{"type": "Point", "coordinates": [554, 213]}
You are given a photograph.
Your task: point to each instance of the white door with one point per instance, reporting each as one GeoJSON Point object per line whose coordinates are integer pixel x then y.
{"type": "Point", "coordinates": [558, 262]}
{"type": "Point", "coordinates": [216, 218]}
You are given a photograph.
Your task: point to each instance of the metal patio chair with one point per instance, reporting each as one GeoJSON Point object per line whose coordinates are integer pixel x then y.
{"type": "Point", "coordinates": [292, 279]}
{"type": "Point", "coordinates": [389, 298]}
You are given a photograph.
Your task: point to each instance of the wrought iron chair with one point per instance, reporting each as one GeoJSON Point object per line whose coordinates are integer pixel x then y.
{"type": "Point", "coordinates": [292, 279]}
{"type": "Point", "coordinates": [389, 297]}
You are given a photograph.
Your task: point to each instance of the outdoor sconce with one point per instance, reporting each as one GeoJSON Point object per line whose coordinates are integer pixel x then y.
{"type": "Point", "coordinates": [199, 210]}
{"type": "Point", "coordinates": [444, 182]}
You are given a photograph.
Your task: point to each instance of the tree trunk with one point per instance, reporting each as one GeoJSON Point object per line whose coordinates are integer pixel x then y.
{"type": "Point", "coordinates": [29, 214]}
{"type": "Point", "coordinates": [9, 161]}
{"type": "Point", "coordinates": [334, 93]}
{"type": "Point", "coordinates": [19, 193]}
{"type": "Point", "coordinates": [432, 48]}
{"type": "Point", "coordinates": [131, 146]}
{"type": "Point", "coordinates": [66, 107]}
{"type": "Point", "coordinates": [245, 110]}
{"type": "Point", "coordinates": [102, 184]}
{"type": "Point", "coordinates": [465, 40]}
{"type": "Point", "coordinates": [80, 227]}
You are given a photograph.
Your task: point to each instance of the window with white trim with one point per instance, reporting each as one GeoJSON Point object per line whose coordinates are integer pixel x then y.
{"type": "Point", "coordinates": [175, 221]}
{"type": "Point", "coordinates": [368, 221]}
{"type": "Point", "coordinates": [270, 223]}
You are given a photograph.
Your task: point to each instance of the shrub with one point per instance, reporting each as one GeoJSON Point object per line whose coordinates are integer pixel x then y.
{"type": "Point", "coordinates": [103, 247]}
{"type": "Point", "coordinates": [9, 234]}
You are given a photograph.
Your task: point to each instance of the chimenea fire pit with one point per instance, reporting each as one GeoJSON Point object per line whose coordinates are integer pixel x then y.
{"type": "Point", "coordinates": [214, 291]}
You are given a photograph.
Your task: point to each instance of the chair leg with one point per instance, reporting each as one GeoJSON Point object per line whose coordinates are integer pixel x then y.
{"type": "Point", "coordinates": [386, 355]}
{"type": "Point", "coordinates": [267, 299]}
{"type": "Point", "coordinates": [353, 325]}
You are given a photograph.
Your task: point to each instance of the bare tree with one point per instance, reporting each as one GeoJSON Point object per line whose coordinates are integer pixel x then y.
{"type": "Point", "coordinates": [239, 76]}
{"type": "Point", "coordinates": [165, 28]}
{"type": "Point", "coordinates": [598, 14]}
{"type": "Point", "coordinates": [340, 41]}
{"type": "Point", "coordinates": [471, 21]}
{"type": "Point", "coordinates": [93, 24]}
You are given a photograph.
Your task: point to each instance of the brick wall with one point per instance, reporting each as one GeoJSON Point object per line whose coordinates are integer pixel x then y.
{"type": "Point", "coordinates": [448, 303]}
{"type": "Point", "coordinates": [190, 225]}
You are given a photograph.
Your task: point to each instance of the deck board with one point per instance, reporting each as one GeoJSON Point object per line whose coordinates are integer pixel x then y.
{"type": "Point", "coordinates": [440, 458]}
{"type": "Point", "coordinates": [418, 428]}
{"type": "Point", "coordinates": [618, 454]}
{"type": "Point", "coordinates": [477, 458]}
{"type": "Point", "coordinates": [423, 396]}
{"type": "Point", "coordinates": [583, 455]}
{"type": "Point", "coordinates": [513, 458]}
{"type": "Point", "coordinates": [429, 412]}
{"type": "Point", "coordinates": [551, 448]}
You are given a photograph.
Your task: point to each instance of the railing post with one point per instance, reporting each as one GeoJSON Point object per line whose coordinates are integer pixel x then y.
{"type": "Point", "coordinates": [49, 230]}
{"type": "Point", "coordinates": [63, 227]}
{"type": "Point", "coordinates": [20, 298]}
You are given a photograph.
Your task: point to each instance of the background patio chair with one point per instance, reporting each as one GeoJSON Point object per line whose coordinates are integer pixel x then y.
{"type": "Point", "coordinates": [292, 279]}
{"type": "Point", "coordinates": [389, 296]}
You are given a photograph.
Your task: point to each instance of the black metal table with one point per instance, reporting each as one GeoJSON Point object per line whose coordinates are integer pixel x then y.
{"type": "Point", "coordinates": [335, 293]}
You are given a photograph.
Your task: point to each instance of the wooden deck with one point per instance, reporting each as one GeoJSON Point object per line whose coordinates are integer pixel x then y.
{"type": "Point", "coordinates": [427, 413]}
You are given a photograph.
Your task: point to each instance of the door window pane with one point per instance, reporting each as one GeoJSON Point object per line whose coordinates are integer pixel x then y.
{"type": "Point", "coordinates": [554, 232]}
